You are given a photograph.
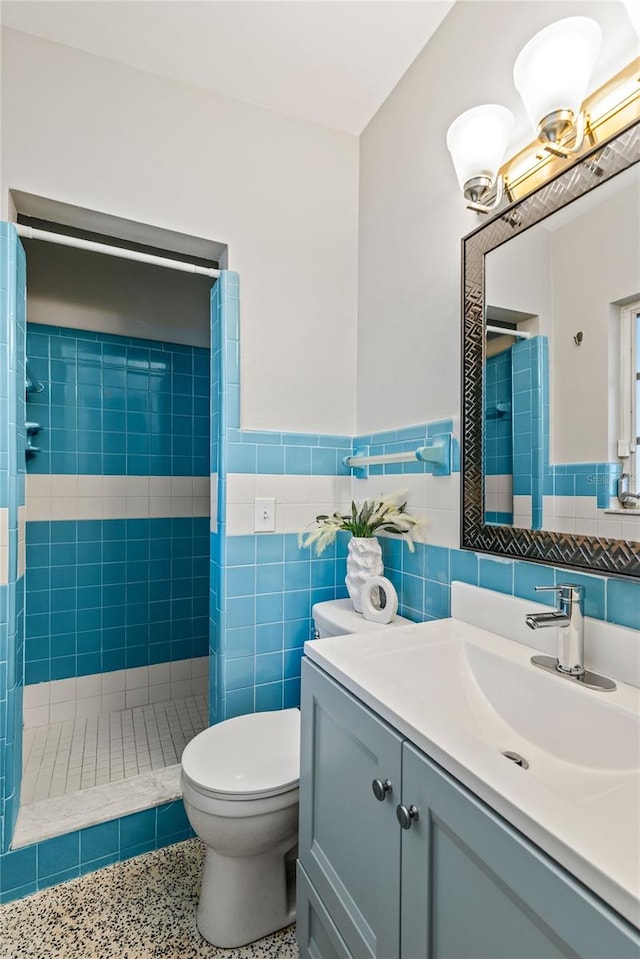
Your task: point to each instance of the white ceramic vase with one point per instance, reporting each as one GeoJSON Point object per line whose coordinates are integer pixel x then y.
{"type": "Point", "coordinates": [364, 560]}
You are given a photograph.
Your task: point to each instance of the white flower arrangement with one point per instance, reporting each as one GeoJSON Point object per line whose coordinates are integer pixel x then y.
{"type": "Point", "coordinates": [367, 518]}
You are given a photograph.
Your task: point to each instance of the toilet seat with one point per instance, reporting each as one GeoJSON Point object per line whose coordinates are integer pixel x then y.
{"type": "Point", "coordinates": [248, 757]}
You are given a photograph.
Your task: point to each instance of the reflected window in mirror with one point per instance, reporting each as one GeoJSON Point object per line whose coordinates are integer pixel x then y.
{"type": "Point", "coordinates": [629, 442]}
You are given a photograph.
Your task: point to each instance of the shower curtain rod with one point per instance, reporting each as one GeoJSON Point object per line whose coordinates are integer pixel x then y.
{"type": "Point", "coordinates": [29, 233]}
{"type": "Point", "coordinates": [506, 332]}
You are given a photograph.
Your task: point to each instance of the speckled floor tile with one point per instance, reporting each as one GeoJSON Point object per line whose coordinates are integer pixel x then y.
{"type": "Point", "coordinates": [141, 909]}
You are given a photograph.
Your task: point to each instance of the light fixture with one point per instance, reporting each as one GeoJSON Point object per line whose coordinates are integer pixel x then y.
{"type": "Point", "coordinates": [477, 141]}
{"type": "Point", "coordinates": [551, 75]}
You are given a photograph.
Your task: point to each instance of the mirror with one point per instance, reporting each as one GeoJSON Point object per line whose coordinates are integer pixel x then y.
{"type": "Point", "coordinates": [551, 295]}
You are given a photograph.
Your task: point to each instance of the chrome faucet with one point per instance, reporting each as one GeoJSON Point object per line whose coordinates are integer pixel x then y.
{"type": "Point", "coordinates": [568, 616]}
{"type": "Point", "coordinates": [626, 497]}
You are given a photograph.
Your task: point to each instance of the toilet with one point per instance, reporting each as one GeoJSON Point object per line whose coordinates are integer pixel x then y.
{"type": "Point", "coordinates": [240, 790]}
{"type": "Point", "coordinates": [337, 618]}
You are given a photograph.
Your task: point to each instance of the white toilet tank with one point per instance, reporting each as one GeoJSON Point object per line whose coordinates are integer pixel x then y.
{"type": "Point", "coordinates": [338, 617]}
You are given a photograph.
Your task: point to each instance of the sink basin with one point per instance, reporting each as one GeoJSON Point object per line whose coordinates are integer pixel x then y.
{"type": "Point", "coordinates": [493, 690]}
{"type": "Point", "coordinates": [467, 696]}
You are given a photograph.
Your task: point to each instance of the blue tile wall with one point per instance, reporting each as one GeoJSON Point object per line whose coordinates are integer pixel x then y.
{"type": "Point", "coordinates": [498, 441]}
{"type": "Point", "coordinates": [52, 861]}
{"type": "Point", "coordinates": [530, 405]}
{"type": "Point", "coordinates": [262, 587]}
{"type": "Point", "coordinates": [114, 594]}
{"type": "Point", "coordinates": [584, 479]}
{"type": "Point", "coordinates": [423, 582]}
{"type": "Point", "coordinates": [12, 486]}
{"type": "Point", "coordinates": [270, 585]}
{"type": "Point", "coordinates": [498, 517]}
{"type": "Point", "coordinates": [405, 440]}
{"type": "Point", "coordinates": [302, 454]}
{"type": "Point", "coordinates": [114, 405]}
{"type": "Point", "coordinates": [534, 475]}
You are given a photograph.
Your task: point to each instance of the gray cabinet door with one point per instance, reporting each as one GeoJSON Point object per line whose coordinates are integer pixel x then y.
{"type": "Point", "coordinates": [474, 888]}
{"type": "Point", "coordinates": [316, 933]}
{"type": "Point", "coordinates": [349, 841]}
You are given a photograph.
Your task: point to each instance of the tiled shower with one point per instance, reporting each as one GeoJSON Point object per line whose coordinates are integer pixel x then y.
{"type": "Point", "coordinates": [117, 544]}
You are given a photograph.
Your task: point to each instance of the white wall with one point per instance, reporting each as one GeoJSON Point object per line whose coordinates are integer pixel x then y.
{"type": "Point", "coordinates": [518, 278]}
{"type": "Point", "coordinates": [282, 193]}
{"type": "Point", "coordinates": [596, 264]}
{"type": "Point", "coordinates": [412, 215]}
{"type": "Point", "coordinates": [91, 291]}
{"type": "Point", "coordinates": [412, 218]}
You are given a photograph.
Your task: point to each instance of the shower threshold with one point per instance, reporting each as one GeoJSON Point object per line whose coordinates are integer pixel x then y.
{"type": "Point", "coordinates": [85, 771]}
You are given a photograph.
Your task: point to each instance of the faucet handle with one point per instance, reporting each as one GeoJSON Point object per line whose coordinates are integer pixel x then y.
{"type": "Point", "coordinates": [567, 592]}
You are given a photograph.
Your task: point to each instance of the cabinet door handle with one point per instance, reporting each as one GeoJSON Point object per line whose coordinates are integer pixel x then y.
{"type": "Point", "coordinates": [380, 788]}
{"type": "Point", "coordinates": [406, 815]}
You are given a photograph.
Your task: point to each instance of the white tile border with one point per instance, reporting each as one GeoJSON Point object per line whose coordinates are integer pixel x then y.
{"type": "Point", "coordinates": [22, 546]}
{"type": "Point", "coordinates": [298, 499]}
{"type": "Point", "coordinates": [62, 699]}
{"type": "Point", "coordinates": [58, 496]}
{"type": "Point", "coordinates": [434, 500]}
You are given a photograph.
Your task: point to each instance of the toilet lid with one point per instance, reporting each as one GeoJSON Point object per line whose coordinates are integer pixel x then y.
{"type": "Point", "coordinates": [248, 756]}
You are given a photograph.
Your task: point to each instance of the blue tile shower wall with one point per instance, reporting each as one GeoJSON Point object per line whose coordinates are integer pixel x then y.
{"type": "Point", "coordinates": [530, 404]}
{"type": "Point", "coordinates": [498, 440]}
{"type": "Point", "coordinates": [12, 469]}
{"type": "Point", "coordinates": [118, 406]}
{"type": "Point", "coordinates": [224, 323]}
{"type": "Point", "coordinates": [115, 594]}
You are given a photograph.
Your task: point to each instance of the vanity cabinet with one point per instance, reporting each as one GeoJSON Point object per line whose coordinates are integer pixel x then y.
{"type": "Point", "coordinates": [458, 883]}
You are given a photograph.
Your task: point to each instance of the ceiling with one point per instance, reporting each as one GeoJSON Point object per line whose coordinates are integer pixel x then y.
{"type": "Point", "coordinates": [333, 63]}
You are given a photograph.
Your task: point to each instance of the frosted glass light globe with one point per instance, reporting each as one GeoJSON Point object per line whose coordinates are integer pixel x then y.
{"type": "Point", "coordinates": [477, 141]}
{"type": "Point", "coordinates": [553, 69]}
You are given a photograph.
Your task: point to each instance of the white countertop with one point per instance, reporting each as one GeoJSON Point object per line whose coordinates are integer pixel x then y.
{"type": "Point", "coordinates": [586, 817]}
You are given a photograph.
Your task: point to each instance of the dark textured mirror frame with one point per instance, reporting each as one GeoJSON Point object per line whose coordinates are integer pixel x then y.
{"type": "Point", "coordinates": [592, 553]}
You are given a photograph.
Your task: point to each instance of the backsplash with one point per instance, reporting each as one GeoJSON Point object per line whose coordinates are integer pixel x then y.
{"type": "Point", "coordinates": [423, 581]}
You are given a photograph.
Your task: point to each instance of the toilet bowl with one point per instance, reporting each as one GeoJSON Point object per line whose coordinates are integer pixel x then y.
{"type": "Point", "coordinates": [240, 791]}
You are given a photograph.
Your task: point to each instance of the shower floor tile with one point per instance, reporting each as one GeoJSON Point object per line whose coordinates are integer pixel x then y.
{"type": "Point", "coordinates": [77, 754]}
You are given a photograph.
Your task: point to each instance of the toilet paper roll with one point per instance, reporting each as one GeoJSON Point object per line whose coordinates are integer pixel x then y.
{"type": "Point", "coordinates": [379, 600]}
